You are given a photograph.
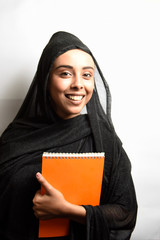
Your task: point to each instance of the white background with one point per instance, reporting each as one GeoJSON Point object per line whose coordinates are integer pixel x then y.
{"type": "Point", "coordinates": [124, 36]}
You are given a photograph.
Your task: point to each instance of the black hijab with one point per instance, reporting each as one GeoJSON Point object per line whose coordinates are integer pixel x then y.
{"type": "Point", "coordinates": [37, 103]}
{"type": "Point", "coordinates": [35, 129]}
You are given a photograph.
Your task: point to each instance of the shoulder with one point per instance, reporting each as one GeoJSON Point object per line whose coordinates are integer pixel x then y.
{"type": "Point", "coordinates": [109, 135]}
{"type": "Point", "coordinates": [19, 128]}
{"type": "Point", "coordinates": [112, 145]}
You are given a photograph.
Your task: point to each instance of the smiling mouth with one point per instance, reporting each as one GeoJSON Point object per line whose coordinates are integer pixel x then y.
{"type": "Point", "coordinates": [75, 97]}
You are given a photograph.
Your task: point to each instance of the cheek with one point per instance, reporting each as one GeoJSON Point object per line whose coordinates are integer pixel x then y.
{"type": "Point", "coordinates": [58, 85]}
{"type": "Point", "coordinates": [89, 88]}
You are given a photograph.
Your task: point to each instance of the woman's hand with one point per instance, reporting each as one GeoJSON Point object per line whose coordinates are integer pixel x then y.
{"type": "Point", "coordinates": [53, 204]}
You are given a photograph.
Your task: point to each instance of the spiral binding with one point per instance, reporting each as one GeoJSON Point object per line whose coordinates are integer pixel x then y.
{"type": "Point", "coordinates": [73, 155]}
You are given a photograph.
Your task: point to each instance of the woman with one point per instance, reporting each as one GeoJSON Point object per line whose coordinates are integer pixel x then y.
{"type": "Point", "coordinates": [68, 78]}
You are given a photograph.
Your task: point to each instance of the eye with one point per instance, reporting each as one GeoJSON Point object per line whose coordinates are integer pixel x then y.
{"type": "Point", "coordinates": [87, 75]}
{"type": "Point", "coordinates": [65, 74]}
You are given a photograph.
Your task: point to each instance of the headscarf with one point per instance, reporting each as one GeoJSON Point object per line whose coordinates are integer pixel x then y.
{"type": "Point", "coordinates": [33, 130]}
{"type": "Point", "coordinates": [59, 43]}
{"type": "Point", "coordinates": [37, 103]}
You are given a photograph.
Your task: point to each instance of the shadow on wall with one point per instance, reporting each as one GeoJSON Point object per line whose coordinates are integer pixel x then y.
{"type": "Point", "coordinates": [13, 97]}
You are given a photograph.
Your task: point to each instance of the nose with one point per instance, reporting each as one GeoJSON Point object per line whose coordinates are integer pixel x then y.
{"type": "Point", "coordinates": [77, 82]}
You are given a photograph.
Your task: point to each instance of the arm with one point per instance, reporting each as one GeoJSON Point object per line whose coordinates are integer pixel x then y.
{"type": "Point", "coordinates": [53, 204]}
{"type": "Point", "coordinates": [115, 218]}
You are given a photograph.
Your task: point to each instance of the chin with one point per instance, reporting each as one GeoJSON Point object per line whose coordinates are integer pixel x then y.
{"type": "Point", "coordinates": [72, 114]}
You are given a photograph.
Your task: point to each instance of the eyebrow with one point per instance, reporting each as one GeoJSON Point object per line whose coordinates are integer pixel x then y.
{"type": "Point", "coordinates": [71, 67]}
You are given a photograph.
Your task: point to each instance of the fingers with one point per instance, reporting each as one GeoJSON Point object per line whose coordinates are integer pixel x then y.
{"type": "Point", "coordinates": [39, 214]}
{"type": "Point", "coordinates": [44, 183]}
{"type": "Point", "coordinates": [36, 198]}
{"type": "Point", "coordinates": [50, 204]}
{"type": "Point", "coordinates": [37, 206]}
{"type": "Point", "coordinates": [36, 202]}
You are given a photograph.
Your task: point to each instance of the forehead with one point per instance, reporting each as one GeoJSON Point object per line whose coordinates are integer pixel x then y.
{"type": "Point", "coordinates": [74, 57]}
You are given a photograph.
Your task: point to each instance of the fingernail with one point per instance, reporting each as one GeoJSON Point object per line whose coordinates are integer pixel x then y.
{"type": "Point", "coordinates": [38, 175]}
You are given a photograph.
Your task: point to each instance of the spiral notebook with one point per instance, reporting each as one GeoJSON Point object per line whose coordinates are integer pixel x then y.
{"type": "Point", "coordinates": [79, 177]}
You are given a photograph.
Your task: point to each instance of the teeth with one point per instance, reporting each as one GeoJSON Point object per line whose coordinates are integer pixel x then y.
{"type": "Point", "coordinates": [76, 98]}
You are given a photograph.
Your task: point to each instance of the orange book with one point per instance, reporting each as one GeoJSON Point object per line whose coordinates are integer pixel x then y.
{"type": "Point", "coordinates": [79, 177]}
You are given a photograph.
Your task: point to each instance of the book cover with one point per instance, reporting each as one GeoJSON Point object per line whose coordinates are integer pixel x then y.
{"type": "Point", "coordinates": [79, 177]}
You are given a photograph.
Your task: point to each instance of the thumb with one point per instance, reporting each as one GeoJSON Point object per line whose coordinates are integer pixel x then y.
{"type": "Point", "coordinates": [46, 185]}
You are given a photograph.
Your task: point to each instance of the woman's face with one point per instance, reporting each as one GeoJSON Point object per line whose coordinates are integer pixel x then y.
{"type": "Point", "coordinates": [71, 82]}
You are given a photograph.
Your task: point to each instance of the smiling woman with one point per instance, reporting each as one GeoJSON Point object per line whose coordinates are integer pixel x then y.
{"type": "Point", "coordinates": [50, 120]}
{"type": "Point", "coordinates": [71, 83]}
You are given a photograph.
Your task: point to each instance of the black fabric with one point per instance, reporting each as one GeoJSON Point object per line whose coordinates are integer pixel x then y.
{"type": "Point", "coordinates": [21, 162]}
{"type": "Point", "coordinates": [36, 129]}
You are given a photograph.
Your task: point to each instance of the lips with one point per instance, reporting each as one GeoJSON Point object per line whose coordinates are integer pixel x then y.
{"type": "Point", "coordinates": [75, 97]}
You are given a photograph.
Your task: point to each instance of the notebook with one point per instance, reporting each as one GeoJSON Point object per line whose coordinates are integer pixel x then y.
{"type": "Point", "coordinates": [79, 177]}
